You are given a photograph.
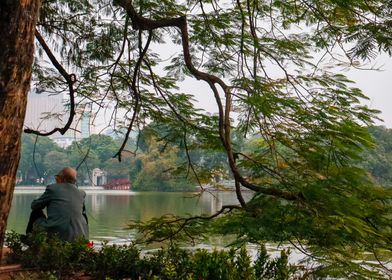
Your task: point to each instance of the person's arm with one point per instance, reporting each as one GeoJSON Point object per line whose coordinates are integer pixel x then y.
{"type": "Point", "coordinates": [84, 213]}
{"type": "Point", "coordinates": [42, 201]}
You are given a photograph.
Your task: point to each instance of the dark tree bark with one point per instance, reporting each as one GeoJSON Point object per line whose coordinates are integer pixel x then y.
{"type": "Point", "coordinates": [17, 28]}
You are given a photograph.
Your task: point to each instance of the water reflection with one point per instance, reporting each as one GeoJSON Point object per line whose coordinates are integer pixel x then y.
{"type": "Point", "coordinates": [109, 212]}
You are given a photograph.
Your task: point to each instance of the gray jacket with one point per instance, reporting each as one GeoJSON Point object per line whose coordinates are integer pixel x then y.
{"type": "Point", "coordinates": [65, 210]}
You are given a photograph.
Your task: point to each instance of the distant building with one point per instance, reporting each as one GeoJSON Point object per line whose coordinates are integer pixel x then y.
{"type": "Point", "coordinates": [85, 124]}
{"type": "Point", "coordinates": [48, 111]}
{"type": "Point", "coordinates": [98, 177]}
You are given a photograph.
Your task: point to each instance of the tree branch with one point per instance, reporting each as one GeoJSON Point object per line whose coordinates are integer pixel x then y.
{"type": "Point", "coordinates": [186, 221]}
{"type": "Point", "coordinates": [141, 23]}
{"type": "Point", "coordinates": [69, 78]}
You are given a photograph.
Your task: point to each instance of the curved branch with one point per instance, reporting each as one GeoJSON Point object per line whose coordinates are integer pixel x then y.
{"type": "Point", "coordinates": [69, 78]}
{"type": "Point", "coordinates": [239, 194]}
{"type": "Point", "coordinates": [141, 23]}
{"type": "Point", "coordinates": [185, 221]}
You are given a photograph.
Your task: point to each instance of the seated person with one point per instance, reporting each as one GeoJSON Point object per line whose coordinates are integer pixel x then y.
{"type": "Point", "coordinates": [65, 207]}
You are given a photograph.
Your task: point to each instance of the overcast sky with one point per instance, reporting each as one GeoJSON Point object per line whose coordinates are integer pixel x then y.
{"type": "Point", "coordinates": [377, 85]}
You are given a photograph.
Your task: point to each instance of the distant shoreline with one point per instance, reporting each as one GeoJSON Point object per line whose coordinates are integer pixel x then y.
{"type": "Point", "coordinates": [87, 189]}
{"type": "Point", "coordinates": [31, 187]}
{"type": "Point", "coordinates": [102, 190]}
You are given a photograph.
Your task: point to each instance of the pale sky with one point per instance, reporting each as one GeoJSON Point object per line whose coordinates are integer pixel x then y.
{"type": "Point", "coordinates": [377, 85]}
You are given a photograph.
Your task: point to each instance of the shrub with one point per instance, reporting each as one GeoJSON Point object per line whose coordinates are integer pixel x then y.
{"type": "Point", "coordinates": [57, 259]}
{"type": "Point", "coordinates": [48, 253]}
{"type": "Point", "coordinates": [114, 261]}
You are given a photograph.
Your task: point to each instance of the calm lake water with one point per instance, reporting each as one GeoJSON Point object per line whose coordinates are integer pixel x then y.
{"type": "Point", "coordinates": [109, 211]}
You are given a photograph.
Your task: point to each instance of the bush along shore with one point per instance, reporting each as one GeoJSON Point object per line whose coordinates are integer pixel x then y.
{"type": "Point", "coordinates": [51, 258]}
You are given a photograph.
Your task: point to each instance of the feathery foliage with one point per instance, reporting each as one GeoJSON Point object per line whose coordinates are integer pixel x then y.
{"type": "Point", "coordinates": [271, 71]}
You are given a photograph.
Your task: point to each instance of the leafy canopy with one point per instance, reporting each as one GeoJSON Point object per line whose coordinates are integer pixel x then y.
{"type": "Point", "coordinates": [271, 71]}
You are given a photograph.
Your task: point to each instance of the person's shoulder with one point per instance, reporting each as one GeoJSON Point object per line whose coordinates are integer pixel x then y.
{"type": "Point", "coordinates": [74, 187]}
{"type": "Point", "coordinates": [51, 186]}
{"type": "Point", "coordinates": [56, 186]}
{"type": "Point", "coordinates": [82, 191]}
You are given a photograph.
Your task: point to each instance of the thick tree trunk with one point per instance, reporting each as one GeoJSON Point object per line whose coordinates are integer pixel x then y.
{"type": "Point", "coordinates": [17, 25]}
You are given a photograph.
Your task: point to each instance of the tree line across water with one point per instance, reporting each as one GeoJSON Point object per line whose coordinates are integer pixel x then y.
{"type": "Point", "coordinates": [149, 163]}
{"type": "Point", "coordinates": [153, 165]}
